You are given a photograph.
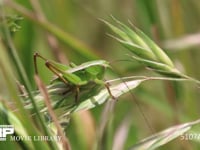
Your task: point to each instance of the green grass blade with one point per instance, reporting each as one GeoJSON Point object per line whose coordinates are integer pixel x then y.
{"type": "Point", "coordinates": [23, 77]}
{"type": "Point", "coordinates": [79, 47]}
{"type": "Point", "coordinates": [24, 118]}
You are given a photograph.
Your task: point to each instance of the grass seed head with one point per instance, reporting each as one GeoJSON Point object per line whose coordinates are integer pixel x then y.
{"type": "Point", "coordinates": [143, 49]}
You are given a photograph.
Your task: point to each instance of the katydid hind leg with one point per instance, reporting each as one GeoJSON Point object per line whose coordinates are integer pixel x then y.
{"type": "Point", "coordinates": [35, 56]}
{"type": "Point", "coordinates": [55, 71]}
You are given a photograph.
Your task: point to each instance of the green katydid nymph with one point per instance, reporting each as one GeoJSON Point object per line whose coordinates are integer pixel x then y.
{"type": "Point", "coordinates": [78, 79]}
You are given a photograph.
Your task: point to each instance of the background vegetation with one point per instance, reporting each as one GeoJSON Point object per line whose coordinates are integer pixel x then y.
{"type": "Point", "coordinates": [70, 30]}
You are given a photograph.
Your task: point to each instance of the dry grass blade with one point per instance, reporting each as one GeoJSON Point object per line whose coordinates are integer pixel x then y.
{"type": "Point", "coordinates": [163, 137]}
{"type": "Point", "coordinates": [106, 119]}
{"type": "Point", "coordinates": [121, 134]}
{"type": "Point", "coordinates": [65, 37]}
{"type": "Point", "coordinates": [103, 95]}
{"type": "Point", "coordinates": [44, 92]}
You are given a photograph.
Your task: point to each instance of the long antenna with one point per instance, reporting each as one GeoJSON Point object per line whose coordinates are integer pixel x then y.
{"type": "Point", "coordinates": [137, 104]}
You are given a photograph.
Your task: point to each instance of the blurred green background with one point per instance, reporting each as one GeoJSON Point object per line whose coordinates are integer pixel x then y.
{"type": "Point", "coordinates": [70, 31]}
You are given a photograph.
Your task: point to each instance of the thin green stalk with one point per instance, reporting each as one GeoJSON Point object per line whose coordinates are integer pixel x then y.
{"type": "Point", "coordinates": [23, 76]}
{"type": "Point", "coordinates": [63, 36]}
{"type": "Point", "coordinates": [25, 119]}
